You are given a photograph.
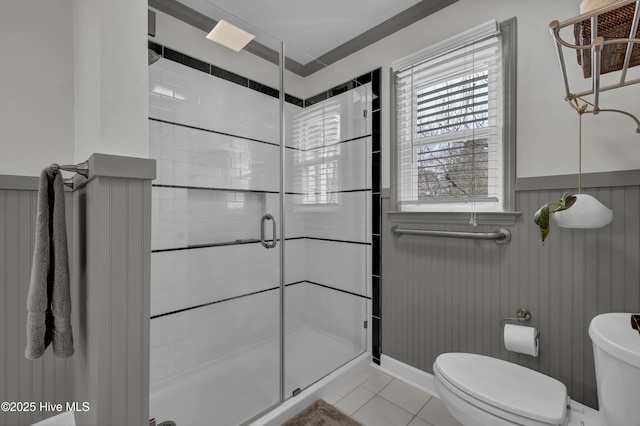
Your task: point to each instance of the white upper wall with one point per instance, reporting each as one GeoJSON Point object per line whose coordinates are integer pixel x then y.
{"type": "Point", "coordinates": [74, 82]}
{"type": "Point", "coordinates": [111, 74]}
{"type": "Point", "coordinates": [36, 103]}
{"type": "Point", "coordinates": [547, 128]}
{"type": "Point", "coordinates": [48, 81]}
{"type": "Point", "coordinates": [37, 107]}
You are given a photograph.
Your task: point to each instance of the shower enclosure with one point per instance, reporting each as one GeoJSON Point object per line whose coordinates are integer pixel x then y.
{"type": "Point", "coordinates": [261, 230]}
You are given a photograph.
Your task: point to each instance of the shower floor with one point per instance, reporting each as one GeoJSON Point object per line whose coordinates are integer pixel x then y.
{"type": "Point", "coordinates": [235, 389]}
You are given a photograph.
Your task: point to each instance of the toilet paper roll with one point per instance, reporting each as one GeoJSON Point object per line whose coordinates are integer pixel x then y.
{"type": "Point", "coordinates": [521, 339]}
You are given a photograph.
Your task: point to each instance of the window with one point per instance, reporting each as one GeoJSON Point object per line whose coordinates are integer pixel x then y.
{"type": "Point", "coordinates": [450, 117]}
{"type": "Point", "coordinates": [316, 135]}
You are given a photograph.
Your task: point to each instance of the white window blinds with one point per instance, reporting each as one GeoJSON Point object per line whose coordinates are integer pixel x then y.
{"type": "Point", "coordinates": [449, 101]}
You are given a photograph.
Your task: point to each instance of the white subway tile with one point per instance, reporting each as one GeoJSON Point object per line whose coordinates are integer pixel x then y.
{"type": "Point", "coordinates": [348, 262]}
{"type": "Point", "coordinates": [187, 278]}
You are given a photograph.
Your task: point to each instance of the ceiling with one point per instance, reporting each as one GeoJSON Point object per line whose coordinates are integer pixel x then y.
{"type": "Point", "coordinates": [315, 33]}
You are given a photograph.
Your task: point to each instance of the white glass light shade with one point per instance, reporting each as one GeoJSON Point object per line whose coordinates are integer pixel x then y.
{"type": "Point", "coordinates": [587, 212]}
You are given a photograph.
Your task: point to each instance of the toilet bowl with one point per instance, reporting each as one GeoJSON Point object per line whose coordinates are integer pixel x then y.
{"type": "Point", "coordinates": [480, 390]}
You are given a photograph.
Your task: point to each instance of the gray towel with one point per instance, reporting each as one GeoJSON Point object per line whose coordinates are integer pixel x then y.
{"type": "Point", "coordinates": [49, 298]}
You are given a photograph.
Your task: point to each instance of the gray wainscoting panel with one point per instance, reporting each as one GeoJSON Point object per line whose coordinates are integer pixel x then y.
{"type": "Point", "coordinates": [441, 295]}
{"type": "Point", "coordinates": [114, 240]}
{"type": "Point", "coordinates": [109, 234]}
{"type": "Point", "coordinates": [45, 379]}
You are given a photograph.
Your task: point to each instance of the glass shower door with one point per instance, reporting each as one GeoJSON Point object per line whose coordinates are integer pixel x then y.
{"type": "Point", "coordinates": [215, 297]}
{"type": "Point", "coordinates": [260, 284]}
{"type": "Point", "coordinates": [328, 226]}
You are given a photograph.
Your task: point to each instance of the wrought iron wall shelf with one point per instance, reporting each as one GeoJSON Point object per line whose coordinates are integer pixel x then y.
{"type": "Point", "coordinates": [623, 14]}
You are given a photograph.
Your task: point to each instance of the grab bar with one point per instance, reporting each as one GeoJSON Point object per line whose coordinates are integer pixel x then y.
{"type": "Point", "coordinates": [501, 236]}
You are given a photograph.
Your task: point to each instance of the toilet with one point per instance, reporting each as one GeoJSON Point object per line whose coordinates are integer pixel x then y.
{"type": "Point", "coordinates": [480, 390]}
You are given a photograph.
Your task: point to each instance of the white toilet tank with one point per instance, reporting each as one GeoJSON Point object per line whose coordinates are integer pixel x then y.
{"type": "Point", "coordinates": [616, 349]}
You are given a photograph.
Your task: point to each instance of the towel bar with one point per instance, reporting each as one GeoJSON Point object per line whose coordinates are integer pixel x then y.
{"type": "Point", "coordinates": [501, 236]}
{"type": "Point", "coordinates": [81, 168]}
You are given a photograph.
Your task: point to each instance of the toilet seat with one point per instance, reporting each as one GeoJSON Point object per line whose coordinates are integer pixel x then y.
{"type": "Point", "coordinates": [502, 388]}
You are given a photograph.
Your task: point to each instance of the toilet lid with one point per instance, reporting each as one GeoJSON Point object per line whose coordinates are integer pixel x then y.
{"type": "Point", "coordinates": [505, 385]}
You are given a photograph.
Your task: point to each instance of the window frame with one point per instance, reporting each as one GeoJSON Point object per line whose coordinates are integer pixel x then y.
{"type": "Point", "coordinates": [507, 215]}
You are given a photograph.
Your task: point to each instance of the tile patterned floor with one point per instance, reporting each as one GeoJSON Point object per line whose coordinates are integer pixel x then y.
{"type": "Point", "coordinates": [377, 399]}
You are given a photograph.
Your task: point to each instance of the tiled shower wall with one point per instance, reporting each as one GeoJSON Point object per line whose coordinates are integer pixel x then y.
{"type": "Point", "coordinates": [216, 141]}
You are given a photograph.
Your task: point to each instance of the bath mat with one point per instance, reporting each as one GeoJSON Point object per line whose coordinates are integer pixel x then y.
{"type": "Point", "coordinates": [321, 413]}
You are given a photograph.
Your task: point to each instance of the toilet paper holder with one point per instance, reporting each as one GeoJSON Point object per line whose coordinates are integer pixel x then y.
{"type": "Point", "coordinates": [522, 315]}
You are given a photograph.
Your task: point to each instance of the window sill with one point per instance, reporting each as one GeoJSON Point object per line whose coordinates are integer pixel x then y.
{"type": "Point", "coordinates": [454, 218]}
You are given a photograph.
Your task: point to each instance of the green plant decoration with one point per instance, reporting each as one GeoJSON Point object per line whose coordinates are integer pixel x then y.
{"type": "Point", "coordinates": [542, 216]}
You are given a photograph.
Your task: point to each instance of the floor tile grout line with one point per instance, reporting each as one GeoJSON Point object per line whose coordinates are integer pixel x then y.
{"type": "Point", "coordinates": [393, 403]}
{"type": "Point", "coordinates": [362, 387]}
{"type": "Point", "coordinates": [390, 402]}
{"type": "Point", "coordinates": [384, 387]}
{"type": "Point", "coordinates": [353, 416]}
{"type": "Point", "coordinates": [365, 403]}
{"type": "Point", "coordinates": [361, 382]}
{"type": "Point", "coordinates": [422, 408]}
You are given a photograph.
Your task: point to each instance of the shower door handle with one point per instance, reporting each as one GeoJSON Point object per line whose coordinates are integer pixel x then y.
{"type": "Point", "coordinates": [273, 242]}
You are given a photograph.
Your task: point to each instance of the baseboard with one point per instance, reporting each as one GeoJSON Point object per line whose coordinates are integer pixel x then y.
{"type": "Point", "coordinates": [411, 375]}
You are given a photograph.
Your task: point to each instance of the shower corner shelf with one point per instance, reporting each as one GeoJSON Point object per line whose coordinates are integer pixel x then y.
{"type": "Point", "coordinates": [618, 23]}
